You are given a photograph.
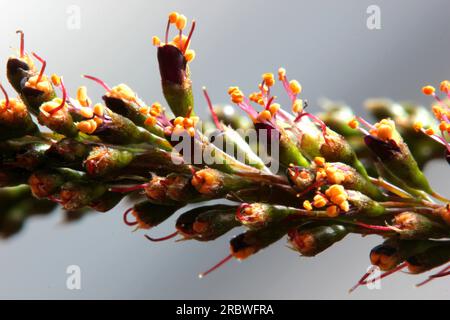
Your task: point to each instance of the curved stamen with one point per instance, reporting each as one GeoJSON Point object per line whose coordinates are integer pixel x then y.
{"type": "Point", "coordinates": [188, 40]}
{"type": "Point", "coordinates": [125, 218]}
{"type": "Point", "coordinates": [99, 81]}
{"type": "Point", "coordinates": [319, 122]}
{"type": "Point", "coordinates": [211, 109]}
{"type": "Point", "coordinates": [6, 96]}
{"type": "Point", "coordinates": [22, 43]}
{"type": "Point", "coordinates": [170, 236]}
{"type": "Point", "coordinates": [166, 37]}
{"type": "Point", "coordinates": [44, 64]}
{"type": "Point", "coordinates": [215, 267]}
{"type": "Point", "coordinates": [64, 98]}
{"type": "Point", "coordinates": [365, 281]}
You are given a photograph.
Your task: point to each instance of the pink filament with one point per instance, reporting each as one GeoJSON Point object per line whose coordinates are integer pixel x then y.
{"type": "Point", "coordinates": [22, 43]}
{"type": "Point", "coordinates": [6, 96]}
{"type": "Point", "coordinates": [125, 218]}
{"type": "Point", "coordinates": [170, 236]}
{"type": "Point", "coordinates": [99, 81]}
{"type": "Point", "coordinates": [215, 267]}
{"type": "Point", "coordinates": [211, 109]}
{"type": "Point", "coordinates": [63, 102]}
{"type": "Point", "coordinates": [189, 36]}
{"type": "Point", "coordinates": [44, 64]}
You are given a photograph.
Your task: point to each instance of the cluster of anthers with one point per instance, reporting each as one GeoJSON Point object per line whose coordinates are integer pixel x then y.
{"type": "Point", "coordinates": [335, 200]}
{"type": "Point", "coordinates": [384, 130]}
{"type": "Point", "coordinates": [180, 41]}
{"type": "Point", "coordinates": [266, 100]}
{"type": "Point", "coordinates": [441, 111]}
{"type": "Point", "coordinates": [11, 108]}
{"type": "Point", "coordinates": [183, 124]}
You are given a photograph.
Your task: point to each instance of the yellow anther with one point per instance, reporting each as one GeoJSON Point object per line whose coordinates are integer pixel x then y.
{"type": "Point", "coordinates": [178, 129]}
{"type": "Point", "coordinates": [319, 161]}
{"type": "Point", "coordinates": [98, 120]}
{"type": "Point", "coordinates": [122, 91]}
{"type": "Point", "coordinates": [145, 110]}
{"type": "Point", "coordinates": [43, 85]}
{"type": "Point", "coordinates": [443, 126]}
{"type": "Point", "coordinates": [319, 201]}
{"type": "Point", "coordinates": [232, 89]}
{"type": "Point", "coordinates": [156, 41]}
{"type": "Point", "coordinates": [150, 121]}
{"type": "Point", "coordinates": [385, 132]}
{"type": "Point", "coordinates": [191, 131]}
{"type": "Point", "coordinates": [445, 86]}
{"type": "Point", "coordinates": [281, 74]}
{"type": "Point", "coordinates": [429, 131]}
{"type": "Point", "coordinates": [87, 126]}
{"type": "Point", "coordinates": [82, 96]}
{"type": "Point", "coordinates": [188, 122]}
{"type": "Point", "coordinates": [237, 96]}
{"type": "Point", "coordinates": [332, 211]}
{"type": "Point", "coordinates": [173, 17]}
{"type": "Point", "coordinates": [307, 205]}
{"type": "Point", "coordinates": [269, 79]}
{"type": "Point", "coordinates": [86, 112]}
{"type": "Point", "coordinates": [189, 55]}
{"type": "Point", "coordinates": [428, 90]}
{"type": "Point", "coordinates": [295, 86]}
{"type": "Point", "coordinates": [297, 106]}
{"type": "Point", "coordinates": [178, 121]}
{"type": "Point", "coordinates": [335, 190]}
{"type": "Point", "coordinates": [274, 107]}
{"type": "Point", "coordinates": [264, 115]}
{"type": "Point", "coordinates": [354, 124]}
{"type": "Point", "coordinates": [344, 206]}
{"type": "Point", "coordinates": [181, 22]}
{"type": "Point", "coordinates": [99, 110]}
{"type": "Point", "coordinates": [56, 80]}
{"type": "Point", "coordinates": [261, 102]}
{"type": "Point", "coordinates": [340, 198]}
{"type": "Point", "coordinates": [336, 177]}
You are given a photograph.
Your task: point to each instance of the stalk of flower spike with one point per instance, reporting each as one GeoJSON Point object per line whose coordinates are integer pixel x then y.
{"type": "Point", "coordinates": [45, 183]}
{"type": "Point", "coordinates": [322, 173]}
{"type": "Point", "coordinates": [75, 195]}
{"type": "Point", "coordinates": [207, 223]}
{"type": "Point", "coordinates": [15, 121]}
{"type": "Point", "coordinates": [412, 225]}
{"type": "Point", "coordinates": [148, 215]}
{"type": "Point", "coordinates": [393, 251]}
{"type": "Point", "coordinates": [310, 240]}
{"type": "Point", "coordinates": [173, 58]}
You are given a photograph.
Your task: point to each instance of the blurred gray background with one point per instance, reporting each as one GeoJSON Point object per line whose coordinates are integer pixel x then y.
{"type": "Point", "coordinates": [324, 44]}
